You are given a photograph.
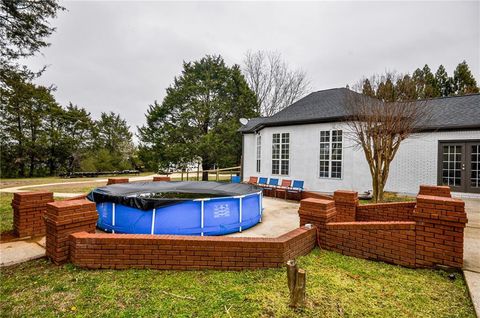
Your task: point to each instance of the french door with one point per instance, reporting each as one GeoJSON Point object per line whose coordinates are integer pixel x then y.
{"type": "Point", "coordinates": [459, 165]}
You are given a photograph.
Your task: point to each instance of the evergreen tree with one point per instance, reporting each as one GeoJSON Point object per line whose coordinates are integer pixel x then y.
{"type": "Point", "coordinates": [367, 88]}
{"type": "Point", "coordinates": [114, 136]}
{"type": "Point", "coordinates": [463, 80]}
{"type": "Point", "coordinates": [430, 88]}
{"type": "Point", "coordinates": [444, 82]}
{"type": "Point", "coordinates": [198, 119]}
{"type": "Point", "coordinates": [419, 81]}
{"type": "Point", "coordinates": [405, 88]}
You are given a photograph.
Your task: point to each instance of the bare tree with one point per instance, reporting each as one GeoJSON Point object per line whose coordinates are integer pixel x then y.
{"type": "Point", "coordinates": [274, 84]}
{"type": "Point", "coordinates": [379, 124]}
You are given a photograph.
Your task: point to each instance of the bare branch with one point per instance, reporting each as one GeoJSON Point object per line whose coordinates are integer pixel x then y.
{"type": "Point", "coordinates": [379, 124]}
{"type": "Point", "coordinates": [274, 84]}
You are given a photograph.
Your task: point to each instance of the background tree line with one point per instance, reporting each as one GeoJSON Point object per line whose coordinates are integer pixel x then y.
{"type": "Point", "coordinates": [40, 137]}
{"type": "Point", "coordinates": [422, 84]}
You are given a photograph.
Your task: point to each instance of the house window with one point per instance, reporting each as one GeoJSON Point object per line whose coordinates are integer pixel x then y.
{"type": "Point", "coordinates": [280, 153]}
{"type": "Point", "coordinates": [259, 152]}
{"type": "Point", "coordinates": [331, 154]}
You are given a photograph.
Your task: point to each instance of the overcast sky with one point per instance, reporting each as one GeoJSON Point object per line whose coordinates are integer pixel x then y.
{"type": "Point", "coordinates": [121, 56]}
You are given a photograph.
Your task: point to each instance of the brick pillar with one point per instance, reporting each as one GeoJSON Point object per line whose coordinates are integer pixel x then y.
{"type": "Point", "coordinates": [317, 212]}
{"type": "Point", "coordinates": [440, 222]}
{"type": "Point", "coordinates": [346, 203]}
{"type": "Point", "coordinates": [64, 218]}
{"type": "Point", "coordinates": [28, 211]}
{"type": "Point", "coordinates": [157, 178]}
{"type": "Point", "coordinates": [117, 180]}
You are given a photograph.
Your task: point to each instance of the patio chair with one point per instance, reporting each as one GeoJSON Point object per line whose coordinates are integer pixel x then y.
{"type": "Point", "coordinates": [262, 182]}
{"type": "Point", "coordinates": [281, 191]}
{"type": "Point", "coordinates": [295, 191]}
{"type": "Point", "coordinates": [269, 190]}
{"type": "Point", "coordinates": [252, 180]}
{"type": "Point", "coordinates": [235, 179]}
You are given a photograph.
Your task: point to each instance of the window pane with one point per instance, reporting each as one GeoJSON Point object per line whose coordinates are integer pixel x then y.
{"type": "Point", "coordinates": [331, 154]}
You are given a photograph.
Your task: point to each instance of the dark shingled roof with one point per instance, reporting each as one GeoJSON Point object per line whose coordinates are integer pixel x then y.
{"type": "Point", "coordinates": [456, 112]}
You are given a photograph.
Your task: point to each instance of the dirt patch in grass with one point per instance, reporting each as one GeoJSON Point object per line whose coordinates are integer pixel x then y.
{"type": "Point", "coordinates": [337, 286]}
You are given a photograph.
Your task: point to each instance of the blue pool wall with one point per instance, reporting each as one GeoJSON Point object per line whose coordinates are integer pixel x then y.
{"type": "Point", "coordinates": [212, 216]}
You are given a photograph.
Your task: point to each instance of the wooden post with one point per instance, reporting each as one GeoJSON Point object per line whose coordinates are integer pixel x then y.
{"type": "Point", "coordinates": [296, 279]}
{"type": "Point", "coordinates": [187, 174]}
{"type": "Point", "coordinates": [198, 172]}
{"type": "Point", "coordinates": [182, 174]}
{"type": "Point", "coordinates": [217, 175]}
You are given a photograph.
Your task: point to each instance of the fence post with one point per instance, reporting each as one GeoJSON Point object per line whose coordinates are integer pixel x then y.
{"type": "Point", "coordinates": [217, 174]}
{"type": "Point", "coordinates": [198, 172]}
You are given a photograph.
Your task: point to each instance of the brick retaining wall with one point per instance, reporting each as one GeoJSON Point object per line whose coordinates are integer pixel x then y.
{"type": "Point", "coordinates": [395, 211]}
{"type": "Point", "coordinates": [391, 242]}
{"type": "Point", "coordinates": [425, 233]}
{"type": "Point", "coordinates": [120, 251]}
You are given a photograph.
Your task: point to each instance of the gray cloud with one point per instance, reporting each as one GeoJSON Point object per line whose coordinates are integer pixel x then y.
{"type": "Point", "coordinates": [121, 56]}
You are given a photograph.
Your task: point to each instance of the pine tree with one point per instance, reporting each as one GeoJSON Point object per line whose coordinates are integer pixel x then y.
{"type": "Point", "coordinates": [367, 88]}
{"type": "Point", "coordinates": [443, 81]}
{"type": "Point", "coordinates": [430, 88]}
{"type": "Point", "coordinates": [419, 81]}
{"type": "Point", "coordinates": [463, 80]}
{"type": "Point", "coordinates": [198, 118]}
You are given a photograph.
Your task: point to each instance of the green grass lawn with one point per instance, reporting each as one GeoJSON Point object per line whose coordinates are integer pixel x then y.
{"type": "Point", "coordinates": [337, 286]}
{"type": "Point", "coordinates": [6, 213]}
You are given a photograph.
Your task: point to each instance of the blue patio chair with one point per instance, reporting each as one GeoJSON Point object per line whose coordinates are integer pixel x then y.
{"type": "Point", "coordinates": [235, 179]}
{"type": "Point", "coordinates": [269, 189]}
{"type": "Point", "coordinates": [295, 191]}
{"type": "Point", "coordinates": [297, 184]}
{"type": "Point", "coordinates": [262, 181]}
{"type": "Point", "coordinates": [273, 183]}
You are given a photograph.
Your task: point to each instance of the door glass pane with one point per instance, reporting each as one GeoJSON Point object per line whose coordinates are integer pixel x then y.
{"type": "Point", "coordinates": [452, 165]}
{"type": "Point", "coordinates": [475, 166]}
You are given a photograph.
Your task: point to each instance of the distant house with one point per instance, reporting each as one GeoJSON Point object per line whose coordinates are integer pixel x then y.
{"type": "Point", "coordinates": [288, 144]}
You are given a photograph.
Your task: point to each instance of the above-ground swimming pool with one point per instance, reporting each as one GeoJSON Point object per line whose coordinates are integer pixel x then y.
{"type": "Point", "coordinates": [177, 207]}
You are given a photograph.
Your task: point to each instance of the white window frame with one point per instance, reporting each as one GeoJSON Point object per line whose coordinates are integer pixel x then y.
{"type": "Point", "coordinates": [329, 160]}
{"type": "Point", "coordinates": [258, 162]}
{"type": "Point", "coordinates": [281, 150]}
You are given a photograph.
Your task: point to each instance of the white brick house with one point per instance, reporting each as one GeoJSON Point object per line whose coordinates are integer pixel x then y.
{"type": "Point", "coordinates": [308, 141]}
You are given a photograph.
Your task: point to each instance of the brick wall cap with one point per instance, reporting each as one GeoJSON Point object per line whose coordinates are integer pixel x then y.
{"type": "Point", "coordinates": [29, 193]}
{"type": "Point", "coordinates": [443, 191]}
{"type": "Point", "coordinates": [421, 198]}
{"type": "Point", "coordinates": [316, 201]}
{"type": "Point", "coordinates": [70, 203]}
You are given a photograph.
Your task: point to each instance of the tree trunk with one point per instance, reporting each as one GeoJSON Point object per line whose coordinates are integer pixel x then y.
{"type": "Point", "coordinates": [298, 294]}
{"type": "Point", "coordinates": [291, 274]}
{"type": "Point", "coordinates": [205, 167]}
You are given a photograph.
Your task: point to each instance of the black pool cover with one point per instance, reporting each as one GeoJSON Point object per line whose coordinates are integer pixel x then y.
{"type": "Point", "coordinates": [149, 195]}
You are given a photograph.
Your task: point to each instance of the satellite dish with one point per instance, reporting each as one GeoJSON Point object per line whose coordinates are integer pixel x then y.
{"type": "Point", "coordinates": [243, 121]}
